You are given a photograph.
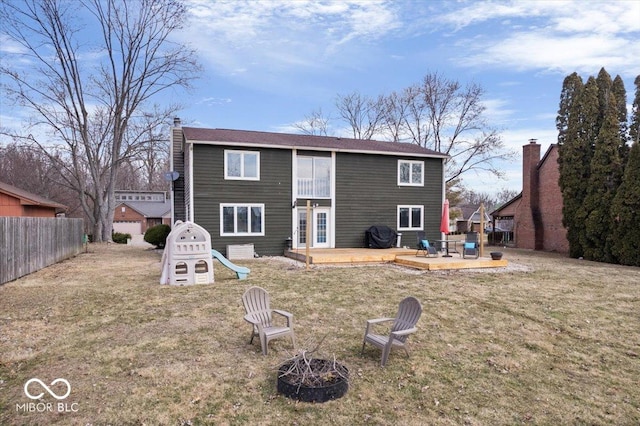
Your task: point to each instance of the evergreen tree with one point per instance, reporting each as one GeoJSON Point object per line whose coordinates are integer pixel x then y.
{"type": "Point", "coordinates": [587, 133]}
{"type": "Point", "coordinates": [626, 212]}
{"type": "Point", "coordinates": [604, 180]}
{"type": "Point", "coordinates": [571, 88]}
{"type": "Point", "coordinates": [605, 85]}
{"type": "Point", "coordinates": [571, 161]}
{"type": "Point", "coordinates": [621, 100]}
{"type": "Point", "coordinates": [626, 204]}
{"type": "Point", "coordinates": [634, 127]}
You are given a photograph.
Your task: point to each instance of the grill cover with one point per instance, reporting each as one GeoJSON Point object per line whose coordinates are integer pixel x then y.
{"type": "Point", "coordinates": [380, 236]}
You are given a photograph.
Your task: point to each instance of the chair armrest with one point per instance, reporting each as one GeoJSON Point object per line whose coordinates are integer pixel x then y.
{"type": "Point", "coordinates": [287, 315]}
{"type": "Point", "coordinates": [283, 313]}
{"type": "Point", "coordinates": [251, 319]}
{"type": "Point", "coordinates": [404, 332]}
{"type": "Point", "coordinates": [376, 321]}
{"type": "Point", "coordinates": [379, 320]}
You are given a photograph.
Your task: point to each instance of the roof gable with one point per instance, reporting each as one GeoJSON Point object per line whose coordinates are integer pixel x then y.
{"type": "Point", "coordinates": [546, 155]}
{"type": "Point", "coordinates": [247, 138]}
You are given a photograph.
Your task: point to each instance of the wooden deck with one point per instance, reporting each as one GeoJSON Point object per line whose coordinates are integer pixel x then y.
{"type": "Point", "coordinates": [406, 257]}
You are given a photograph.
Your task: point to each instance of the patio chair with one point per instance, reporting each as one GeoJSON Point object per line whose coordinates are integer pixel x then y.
{"type": "Point", "coordinates": [425, 247]}
{"type": "Point", "coordinates": [260, 316]}
{"type": "Point", "coordinates": [404, 324]}
{"type": "Point", "coordinates": [470, 250]}
{"type": "Point", "coordinates": [471, 245]}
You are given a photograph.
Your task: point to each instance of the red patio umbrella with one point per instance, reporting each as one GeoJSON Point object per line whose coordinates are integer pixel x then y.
{"type": "Point", "coordinates": [444, 225]}
{"type": "Point", "coordinates": [444, 222]}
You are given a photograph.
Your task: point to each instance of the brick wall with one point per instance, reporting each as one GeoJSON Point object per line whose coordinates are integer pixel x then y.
{"type": "Point", "coordinates": [125, 213]}
{"type": "Point", "coordinates": [555, 234]}
{"type": "Point", "coordinates": [538, 217]}
{"type": "Point", "coordinates": [524, 228]}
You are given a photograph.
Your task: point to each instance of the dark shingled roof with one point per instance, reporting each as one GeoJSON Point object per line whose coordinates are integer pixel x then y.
{"type": "Point", "coordinates": [288, 141]}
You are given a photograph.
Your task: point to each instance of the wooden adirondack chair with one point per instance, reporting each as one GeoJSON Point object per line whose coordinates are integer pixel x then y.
{"type": "Point", "coordinates": [260, 315]}
{"type": "Point", "coordinates": [404, 324]}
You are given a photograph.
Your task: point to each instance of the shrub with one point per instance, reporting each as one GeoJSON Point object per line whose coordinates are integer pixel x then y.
{"type": "Point", "coordinates": [157, 235]}
{"type": "Point", "coordinates": [120, 238]}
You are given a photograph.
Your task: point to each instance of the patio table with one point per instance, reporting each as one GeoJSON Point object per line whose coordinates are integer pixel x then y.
{"type": "Point", "coordinates": [445, 245]}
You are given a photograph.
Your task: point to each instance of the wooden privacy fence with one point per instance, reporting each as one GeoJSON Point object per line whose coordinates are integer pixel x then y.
{"type": "Point", "coordinates": [28, 244]}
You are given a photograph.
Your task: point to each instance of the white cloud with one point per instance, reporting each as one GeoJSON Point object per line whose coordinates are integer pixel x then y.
{"type": "Point", "coordinates": [550, 35]}
{"type": "Point", "coordinates": [496, 110]}
{"type": "Point", "coordinates": [261, 37]}
{"type": "Point", "coordinates": [558, 53]}
{"type": "Point", "coordinates": [10, 46]}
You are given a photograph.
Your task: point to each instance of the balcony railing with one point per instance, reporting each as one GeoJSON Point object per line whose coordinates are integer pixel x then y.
{"type": "Point", "coordinates": [314, 188]}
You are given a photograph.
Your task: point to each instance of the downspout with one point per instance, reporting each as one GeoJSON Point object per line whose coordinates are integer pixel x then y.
{"type": "Point", "coordinates": [444, 196]}
{"type": "Point", "coordinates": [294, 197]}
{"type": "Point", "coordinates": [172, 194]}
{"type": "Point", "coordinates": [333, 200]}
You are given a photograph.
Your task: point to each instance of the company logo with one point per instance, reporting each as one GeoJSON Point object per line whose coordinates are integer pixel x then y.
{"type": "Point", "coordinates": [32, 386]}
{"type": "Point", "coordinates": [47, 388]}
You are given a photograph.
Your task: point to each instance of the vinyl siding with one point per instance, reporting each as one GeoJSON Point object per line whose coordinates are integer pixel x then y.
{"type": "Point", "coordinates": [273, 190]}
{"type": "Point", "coordinates": [179, 201]}
{"type": "Point", "coordinates": [368, 194]}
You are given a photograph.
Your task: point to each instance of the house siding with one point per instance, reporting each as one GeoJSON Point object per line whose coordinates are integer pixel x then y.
{"type": "Point", "coordinates": [210, 189]}
{"type": "Point", "coordinates": [367, 193]}
{"type": "Point", "coordinates": [10, 206]}
{"type": "Point", "coordinates": [177, 154]}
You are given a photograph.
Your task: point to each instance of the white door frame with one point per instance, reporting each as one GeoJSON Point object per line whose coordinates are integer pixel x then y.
{"type": "Point", "coordinates": [316, 234]}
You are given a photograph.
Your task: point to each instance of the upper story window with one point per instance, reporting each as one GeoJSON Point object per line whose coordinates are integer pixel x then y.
{"type": "Point", "coordinates": [314, 177]}
{"type": "Point", "coordinates": [243, 165]}
{"type": "Point", "coordinates": [410, 173]}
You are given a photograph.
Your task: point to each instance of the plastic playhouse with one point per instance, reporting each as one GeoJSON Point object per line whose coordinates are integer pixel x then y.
{"type": "Point", "coordinates": [188, 257]}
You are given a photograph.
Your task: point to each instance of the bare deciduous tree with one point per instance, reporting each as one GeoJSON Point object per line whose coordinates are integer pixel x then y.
{"type": "Point", "coordinates": [314, 124]}
{"type": "Point", "coordinates": [363, 114]}
{"type": "Point", "coordinates": [87, 99]}
{"type": "Point", "coordinates": [439, 114]}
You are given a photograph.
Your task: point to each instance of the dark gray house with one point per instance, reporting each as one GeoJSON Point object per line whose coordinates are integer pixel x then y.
{"type": "Point", "coordinates": [248, 187]}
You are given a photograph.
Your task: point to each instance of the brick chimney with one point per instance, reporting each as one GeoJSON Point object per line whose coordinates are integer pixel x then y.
{"type": "Point", "coordinates": [531, 191]}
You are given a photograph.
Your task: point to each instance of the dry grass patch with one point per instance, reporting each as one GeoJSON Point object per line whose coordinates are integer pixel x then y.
{"type": "Point", "coordinates": [549, 340]}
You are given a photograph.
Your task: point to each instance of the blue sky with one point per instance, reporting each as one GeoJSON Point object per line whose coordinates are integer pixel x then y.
{"type": "Point", "coordinates": [268, 64]}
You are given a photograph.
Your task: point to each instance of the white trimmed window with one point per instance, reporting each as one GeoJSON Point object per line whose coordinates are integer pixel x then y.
{"type": "Point", "coordinates": [241, 219]}
{"type": "Point", "coordinates": [410, 173]}
{"type": "Point", "coordinates": [314, 177]}
{"type": "Point", "coordinates": [410, 218]}
{"type": "Point", "coordinates": [241, 165]}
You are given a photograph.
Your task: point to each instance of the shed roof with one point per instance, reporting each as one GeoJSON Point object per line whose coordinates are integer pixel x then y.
{"type": "Point", "coordinates": [249, 138]}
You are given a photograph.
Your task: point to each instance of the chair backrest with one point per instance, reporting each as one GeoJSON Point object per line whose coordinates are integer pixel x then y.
{"type": "Point", "coordinates": [471, 237]}
{"type": "Point", "coordinates": [256, 302]}
{"type": "Point", "coordinates": [409, 312]}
